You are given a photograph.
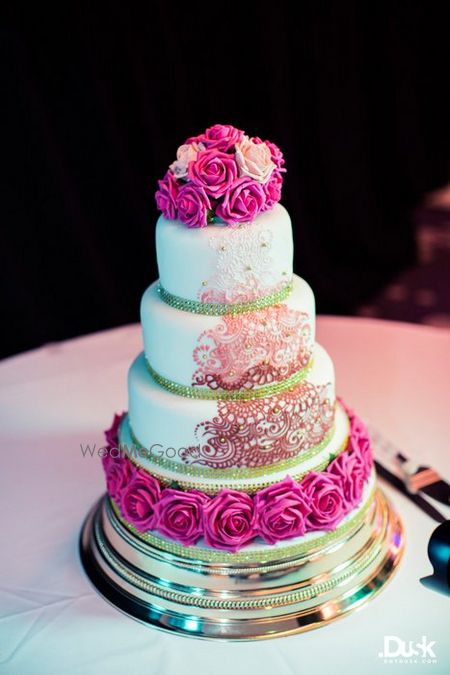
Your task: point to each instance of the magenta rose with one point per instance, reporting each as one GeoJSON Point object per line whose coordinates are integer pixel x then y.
{"type": "Point", "coordinates": [113, 452]}
{"type": "Point", "coordinates": [219, 137]}
{"type": "Point", "coordinates": [324, 494]}
{"type": "Point", "coordinates": [365, 453]}
{"type": "Point", "coordinates": [349, 467]}
{"type": "Point", "coordinates": [243, 202]}
{"type": "Point", "coordinates": [281, 511]}
{"type": "Point", "coordinates": [119, 472]}
{"type": "Point", "coordinates": [229, 520]}
{"type": "Point", "coordinates": [166, 196]}
{"type": "Point", "coordinates": [180, 515]}
{"type": "Point", "coordinates": [214, 171]}
{"type": "Point", "coordinates": [272, 190]}
{"type": "Point", "coordinates": [277, 155]}
{"type": "Point", "coordinates": [193, 205]}
{"type": "Point", "coordinates": [138, 501]}
{"type": "Point", "coordinates": [112, 433]}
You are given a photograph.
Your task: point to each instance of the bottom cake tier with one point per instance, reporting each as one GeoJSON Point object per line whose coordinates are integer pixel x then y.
{"type": "Point", "coordinates": [234, 565]}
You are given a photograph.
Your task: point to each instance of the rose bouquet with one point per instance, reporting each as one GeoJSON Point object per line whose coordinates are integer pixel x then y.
{"type": "Point", "coordinates": [221, 175]}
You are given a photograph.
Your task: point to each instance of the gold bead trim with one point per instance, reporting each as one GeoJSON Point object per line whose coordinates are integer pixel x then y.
{"type": "Point", "coordinates": [235, 473]}
{"type": "Point", "coordinates": [221, 309]}
{"type": "Point", "coordinates": [218, 485]}
{"type": "Point", "coordinates": [229, 395]}
{"type": "Point", "coordinates": [214, 556]}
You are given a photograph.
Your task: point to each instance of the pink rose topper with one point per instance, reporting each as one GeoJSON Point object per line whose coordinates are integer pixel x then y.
{"type": "Point", "coordinates": [223, 175]}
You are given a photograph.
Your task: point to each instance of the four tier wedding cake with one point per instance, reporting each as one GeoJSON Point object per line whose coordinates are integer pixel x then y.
{"type": "Point", "coordinates": [235, 449]}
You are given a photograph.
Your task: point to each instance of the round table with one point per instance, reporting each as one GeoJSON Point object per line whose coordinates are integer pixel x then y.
{"type": "Point", "coordinates": [61, 396]}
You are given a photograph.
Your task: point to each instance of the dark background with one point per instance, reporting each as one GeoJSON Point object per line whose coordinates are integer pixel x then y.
{"type": "Point", "coordinates": [98, 101]}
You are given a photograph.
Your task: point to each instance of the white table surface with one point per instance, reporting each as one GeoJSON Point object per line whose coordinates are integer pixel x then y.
{"type": "Point", "coordinates": [51, 620]}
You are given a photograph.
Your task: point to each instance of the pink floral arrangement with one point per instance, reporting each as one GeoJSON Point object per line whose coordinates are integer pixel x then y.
{"type": "Point", "coordinates": [221, 175]}
{"type": "Point", "coordinates": [231, 519]}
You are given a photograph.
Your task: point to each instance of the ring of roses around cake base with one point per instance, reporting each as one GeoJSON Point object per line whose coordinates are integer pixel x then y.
{"type": "Point", "coordinates": [245, 556]}
{"type": "Point", "coordinates": [231, 519]}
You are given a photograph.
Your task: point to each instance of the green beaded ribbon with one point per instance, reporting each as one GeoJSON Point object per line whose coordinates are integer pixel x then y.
{"type": "Point", "coordinates": [234, 473]}
{"type": "Point", "coordinates": [229, 395]}
{"type": "Point", "coordinates": [219, 308]}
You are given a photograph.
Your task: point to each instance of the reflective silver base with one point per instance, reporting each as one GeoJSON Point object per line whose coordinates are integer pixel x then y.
{"type": "Point", "coordinates": [233, 601]}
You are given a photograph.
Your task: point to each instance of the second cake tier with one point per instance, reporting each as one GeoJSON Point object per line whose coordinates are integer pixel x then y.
{"type": "Point", "coordinates": [240, 437]}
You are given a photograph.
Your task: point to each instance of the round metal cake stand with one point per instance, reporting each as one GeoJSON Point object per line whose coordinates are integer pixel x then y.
{"type": "Point", "coordinates": [246, 600]}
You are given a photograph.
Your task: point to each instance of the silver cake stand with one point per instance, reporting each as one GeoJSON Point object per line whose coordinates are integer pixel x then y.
{"type": "Point", "coordinates": [241, 601]}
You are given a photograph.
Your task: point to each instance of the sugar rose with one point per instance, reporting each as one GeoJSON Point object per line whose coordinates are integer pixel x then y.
{"type": "Point", "coordinates": [138, 501]}
{"type": "Point", "coordinates": [180, 515]}
{"type": "Point", "coordinates": [118, 473]}
{"type": "Point", "coordinates": [349, 467]}
{"type": "Point", "coordinates": [281, 511]}
{"type": "Point", "coordinates": [254, 160]}
{"type": "Point", "coordinates": [219, 137]}
{"type": "Point", "coordinates": [193, 205]}
{"type": "Point", "coordinates": [326, 499]}
{"type": "Point", "coordinates": [229, 520]}
{"type": "Point", "coordinates": [214, 171]}
{"type": "Point", "coordinates": [243, 202]}
{"type": "Point", "coordinates": [186, 153]}
{"type": "Point", "coordinates": [166, 196]}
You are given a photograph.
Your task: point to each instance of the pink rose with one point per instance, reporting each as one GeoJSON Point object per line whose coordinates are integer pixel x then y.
{"type": "Point", "coordinates": [281, 511]}
{"type": "Point", "coordinates": [350, 469]}
{"type": "Point", "coordinates": [112, 433]}
{"type": "Point", "coordinates": [276, 154]}
{"type": "Point", "coordinates": [193, 205]}
{"type": "Point", "coordinates": [365, 453]}
{"type": "Point", "coordinates": [186, 153]}
{"type": "Point", "coordinates": [138, 501]}
{"type": "Point", "coordinates": [118, 473]}
{"type": "Point", "coordinates": [229, 520]}
{"type": "Point", "coordinates": [166, 196]}
{"type": "Point", "coordinates": [243, 202]}
{"type": "Point", "coordinates": [219, 137]}
{"type": "Point", "coordinates": [254, 160]}
{"type": "Point", "coordinates": [272, 190]}
{"type": "Point", "coordinates": [214, 171]}
{"type": "Point", "coordinates": [323, 492]}
{"type": "Point", "coordinates": [180, 515]}
{"type": "Point", "coordinates": [112, 442]}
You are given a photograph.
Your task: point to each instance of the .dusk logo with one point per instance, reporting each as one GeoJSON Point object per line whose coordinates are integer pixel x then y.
{"type": "Point", "coordinates": [396, 650]}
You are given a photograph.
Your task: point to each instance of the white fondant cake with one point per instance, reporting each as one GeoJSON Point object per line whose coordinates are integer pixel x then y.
{"type": "Point", "coordinates": [248, 260]}
{"type": "Point", "coordinates": [232, 407]}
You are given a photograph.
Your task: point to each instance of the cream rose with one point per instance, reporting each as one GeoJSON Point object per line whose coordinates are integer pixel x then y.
{"type": "Point", "coordinates": [185, 154]}
{"type": "Point", "coordinates": [254, 160]}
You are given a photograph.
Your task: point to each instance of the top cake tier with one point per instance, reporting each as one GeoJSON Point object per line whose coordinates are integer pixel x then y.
{"type": "Point", "coordinates": [223, 264]}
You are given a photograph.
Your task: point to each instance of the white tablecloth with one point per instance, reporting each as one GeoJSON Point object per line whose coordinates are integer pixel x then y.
{"type": "Point", "coordinates": [52, 621]}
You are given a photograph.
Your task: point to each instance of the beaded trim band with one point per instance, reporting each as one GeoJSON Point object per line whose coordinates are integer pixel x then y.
{"type": "Point", "coordinates": [250, 488]}
{"type": "Point", "coordinates": [228, 395]}
{"type": "Point", "coordinates": [234, 473]}
{"type": "Point", "coordinates": [219, 308]}
{"type": "Point", "coordinates": [272, 553]}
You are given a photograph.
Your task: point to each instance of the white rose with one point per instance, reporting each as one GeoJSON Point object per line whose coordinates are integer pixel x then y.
{"type": "Point", "coordinates": [254, 160]}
